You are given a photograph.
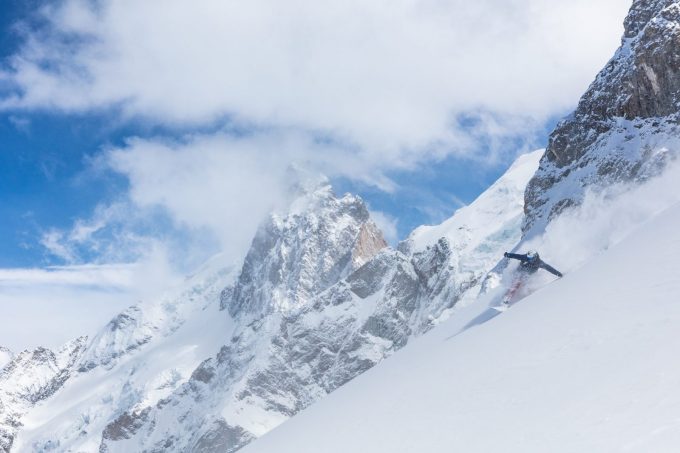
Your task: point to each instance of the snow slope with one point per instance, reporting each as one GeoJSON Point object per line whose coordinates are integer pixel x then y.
{"type": "Point", "coordinates": [472, 225]}
{"type": "Point", "coordinates": [588, 363]}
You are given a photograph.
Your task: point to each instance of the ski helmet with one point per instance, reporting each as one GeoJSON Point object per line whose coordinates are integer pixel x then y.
{"type": "Point", "coordinates": [532, 255]}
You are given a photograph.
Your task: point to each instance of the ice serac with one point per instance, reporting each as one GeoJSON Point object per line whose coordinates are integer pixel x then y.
{"type": "Point", "coordinates": [626, 126]}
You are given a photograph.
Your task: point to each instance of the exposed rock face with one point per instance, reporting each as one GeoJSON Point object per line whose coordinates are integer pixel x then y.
{"type": "Point", "coordinates": [368, 244]}
{"type": "Point", "coordinates": [626, 125]}
{"type": "Point", "coordinates": [31, 377]}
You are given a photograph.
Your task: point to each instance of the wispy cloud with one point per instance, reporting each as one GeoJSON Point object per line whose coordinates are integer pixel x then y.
{"type": "Point", "coordinates": [387, 224]}
{"type": "Point", "coordinates": [48, 307]}
{"type": "Point", "coordinates": [20, 123]}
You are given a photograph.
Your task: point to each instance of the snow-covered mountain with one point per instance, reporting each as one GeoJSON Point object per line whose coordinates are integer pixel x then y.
{"type": "Point", "coordinates": [319, 299]}
{"type": "Point", "coordinates": [78, 386]}
{"type": "Point", "coordinates": [586, 364]}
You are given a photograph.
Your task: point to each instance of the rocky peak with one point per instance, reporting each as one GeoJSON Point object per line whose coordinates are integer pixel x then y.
{"type": "Point", "coordinates": [624, 126]}
{"type": "Point", "coordinates": [301, 252]}
{"type": "Point", "coordinates": [641, 13]}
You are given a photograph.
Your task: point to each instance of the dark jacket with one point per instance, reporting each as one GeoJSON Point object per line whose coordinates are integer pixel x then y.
{"type": "Point", "coordinates": [531, 266]}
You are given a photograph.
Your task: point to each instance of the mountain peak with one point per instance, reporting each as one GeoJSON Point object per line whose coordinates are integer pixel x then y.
{"type": "Point", "coordinates": [301, 252]}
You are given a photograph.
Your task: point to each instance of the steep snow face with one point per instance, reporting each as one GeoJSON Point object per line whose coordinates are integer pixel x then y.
{"type": "Point", "coordinates": [588, 363]}
{"type": "Point", "coordinates": [626, 126]}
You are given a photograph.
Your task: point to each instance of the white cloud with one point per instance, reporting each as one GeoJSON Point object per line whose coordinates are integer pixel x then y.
{"type": "Point", "coordinates": [387, 224]}
{"type": "Point", "coordinates": [386, 76]}
{"type": "Point", "coordinates": [48, 307]}
{"type": "Point", "coordinates": [218, 184]}
{"type": "Point", "coordinates": [111, 277]}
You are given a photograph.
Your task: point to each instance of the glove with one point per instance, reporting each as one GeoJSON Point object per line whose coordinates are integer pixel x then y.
{"type": "Point", "coordinates": [505, 254]}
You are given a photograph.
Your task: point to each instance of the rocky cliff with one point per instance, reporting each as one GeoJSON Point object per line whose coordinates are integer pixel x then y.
{"type": "Point", "coordinates": [626, 126]}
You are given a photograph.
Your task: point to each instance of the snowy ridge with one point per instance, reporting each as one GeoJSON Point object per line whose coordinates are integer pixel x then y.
{"type": "Point", "coordinates": [140, 324]}
{"type": "Point", "coordinates": [502, 200]}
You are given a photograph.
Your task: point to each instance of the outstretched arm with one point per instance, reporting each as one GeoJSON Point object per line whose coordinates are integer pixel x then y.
{"type": "Point", "coordinates": [550, 269]}
{"type": "Point", "coordinates": [515, 256]}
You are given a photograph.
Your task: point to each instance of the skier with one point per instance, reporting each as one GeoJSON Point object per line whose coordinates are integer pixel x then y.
{"type": "Point", "coordinates": [529, 264]}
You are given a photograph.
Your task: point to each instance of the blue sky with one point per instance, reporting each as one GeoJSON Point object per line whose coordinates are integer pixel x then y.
{"type": "Point", "coordinates": [123, 140]}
